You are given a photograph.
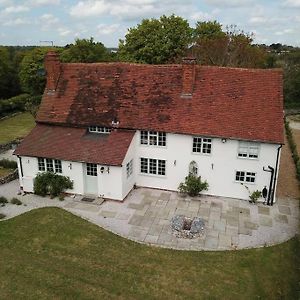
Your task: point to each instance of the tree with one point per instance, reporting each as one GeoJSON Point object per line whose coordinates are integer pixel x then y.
{"type": "Point", "coordinates": [31, 73]}
{"type": "Point", "coordinates": [156, 41]}
{"type": "Point", "coordinates": [85, 51]}
{"type": "Point", "coordinates": [291, 84]}
{"type": "Point", "coordinates": [233, 47]}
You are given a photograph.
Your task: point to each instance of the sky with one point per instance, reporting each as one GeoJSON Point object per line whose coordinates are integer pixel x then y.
{"type": "Point", "coordinates": [31, 22]}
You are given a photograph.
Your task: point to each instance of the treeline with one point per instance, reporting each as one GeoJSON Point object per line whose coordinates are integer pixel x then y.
{"type": "Point", "coordinates": [153, 41]}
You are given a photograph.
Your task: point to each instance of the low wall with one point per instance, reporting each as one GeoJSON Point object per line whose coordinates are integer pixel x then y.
{"type": "Point", "coordinates": [10, 177]}
{"type": "Point", "coordinates": [8, 146]}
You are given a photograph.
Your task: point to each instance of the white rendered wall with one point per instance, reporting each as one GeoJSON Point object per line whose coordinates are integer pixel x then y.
{"type": "Point", "coordinates": [110, 184]}
{"type": "Point", "coordinates": [218, 168]}
{"type": "Point", "coordinates": [71, 169]}
{"type": "Point", "coordinates": [129, 182]}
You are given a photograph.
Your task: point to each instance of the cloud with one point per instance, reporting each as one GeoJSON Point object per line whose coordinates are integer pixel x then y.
{"type": "Point", "coordinates": [89, 8]}
{"type": "Point", "coordinates": [285, 31]}
{"type": "Point", "coordinates": [43, 2]}
{"type": "Point", "coordinates": [107, 29]}
{"type": "Point", "coordinates": [64, 31]}
{"type": "Point", "coordinates": [229, 3]}
{"type": "Point", "coordinates": [292, 3]}
{"type": "Point", "coordinates": [15, 9]}
{"type": "Point", "coordinates": [17, 22]}
{"type": "Point", "coordinates": [47, 21]}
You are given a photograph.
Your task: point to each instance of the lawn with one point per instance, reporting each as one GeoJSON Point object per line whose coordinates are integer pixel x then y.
{"type": "Point", "coordinates": [15, 127]}
{"type": "Point", "coordinates": [50, 253]}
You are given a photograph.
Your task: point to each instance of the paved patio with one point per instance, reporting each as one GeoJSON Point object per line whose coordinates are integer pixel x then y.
{"type": "Point", "coordinates": [145, 217]}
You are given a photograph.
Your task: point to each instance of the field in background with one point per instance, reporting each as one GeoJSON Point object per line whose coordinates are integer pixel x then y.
{"type": "Point", "coordinates": [15, 127]}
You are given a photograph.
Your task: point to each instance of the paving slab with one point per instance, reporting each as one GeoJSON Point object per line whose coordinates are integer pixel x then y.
{"type": "Point", "coordinates": [265, 221]}
{"type": "Point", "coordinates": [211, 243]}
{"type": "Point", "coordinates": [264, 210]}
{"type": "Point", "coordinates": [283, 209]}
{"type": "Point", "coordinates": [224, 241]}
{"type": "Point", "coordinates": [281, 219]}
{"type": "Point", "coordinates": [108, 214]}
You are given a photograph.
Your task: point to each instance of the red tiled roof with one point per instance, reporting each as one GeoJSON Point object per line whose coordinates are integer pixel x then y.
{"type": "Point", "coordinates": [226, 102]}
{"type": "Point", "coordinates": [75, 144]}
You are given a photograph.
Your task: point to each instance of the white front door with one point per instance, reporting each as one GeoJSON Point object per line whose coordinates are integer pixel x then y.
{"type": "Point", "coordinates": [90, 179]}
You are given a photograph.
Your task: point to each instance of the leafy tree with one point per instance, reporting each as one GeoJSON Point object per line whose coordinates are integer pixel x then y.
{"type": "Point", "coordinates": [85, 51]}
{"type": "Point", "coordinates": [233, 47]}
{"type": "Point", "coordinates": [31, 73]}
{"type": "Point", "coordinates": [291, 84]}
{"type": "Point", "coordinates": [156, 41]}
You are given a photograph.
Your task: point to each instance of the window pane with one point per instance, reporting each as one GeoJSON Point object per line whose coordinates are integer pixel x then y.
{"type": "Point", "coordinates": [240, 176]}
{"type": "Point", "coordinates": [129, 168]}
{"type": "Point", "coordinates": [250, 177]}
{"type": "Point", "coordinates": [152, 166]}
{"type": "Point", "coordinates": [153, 138]}
{"type": "Point", "coordinates": [196, 144]}
{"type": "Point", "coordinates": [161, 167]}
{"type": "Point", "coordinates": [41, 164]}
{"type": "Point", "coordinates": [144, 165]}
{"type": "Point", "coordinates": [91, 169]}
{"type": "Point", "coordinates": [206, 146]}
{"type": "Point", "coordinates": [144, 137]}
{"type": "Point", "coordinates": [49, 165]}
{"type": "Point", "coordinates": [162, 139]}
{"type": "Point", "coordinates": [57, 165]}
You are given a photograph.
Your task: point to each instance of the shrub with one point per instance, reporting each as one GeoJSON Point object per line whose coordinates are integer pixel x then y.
{"type": "Point", "coordinates": [2, 216]}
{"type": "Point", "coordinates": [8, 164]}
{"type": "Point", "coordinates": [13, 104]}
{"type": "Point", "coordinates": [52, 184]}
{"type": "Point", "coordinates": [15, 201]}
{"type": "Point", "coordinates": [193, 185]}
{"type": "Point", "coordinates": [255, 195]}
{"type": "Point", "coordinates": [3, 200]}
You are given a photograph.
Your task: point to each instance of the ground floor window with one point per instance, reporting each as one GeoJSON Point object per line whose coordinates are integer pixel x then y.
{"type": "Point", "coordinates": [243, 176]}
{"type": "Point", "coordinates": [49, 165]}
{"type": "Point", "coordinates": [129, 168]}
{"type": "Point", "coordinates": [91, 169]}
{"type": "Point", "coordinates": [153, 166]}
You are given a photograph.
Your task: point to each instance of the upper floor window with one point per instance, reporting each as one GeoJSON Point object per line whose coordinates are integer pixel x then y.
{"type": "Point", "coordinates": [49, 165]}
{"type": "Point", "coordinates": [248, 150]}
{"type": "Point", "coordinates": [201, 145]}
{"type": "Point", "coordinates": [98, 129]}
{"type": "Point", "coordinates": [129, 168]}
{"type": "Point", "coordinates": [153, 138]}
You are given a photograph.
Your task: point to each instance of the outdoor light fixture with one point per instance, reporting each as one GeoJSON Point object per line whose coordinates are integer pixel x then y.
{"type": "Point", "coordinates": [102, 170]}
{"type": "Point", "coordinates": [224, 140]}
{"type": "Point", "coordinates": [107, 170]}
{"type": "Point", "coordinates": [175, 162]}
{"type": "Point", "coordinates": [70, 166]}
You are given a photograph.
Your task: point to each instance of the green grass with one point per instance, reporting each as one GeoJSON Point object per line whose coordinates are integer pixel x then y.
{"type": "Point", "coordinates": [49, 253]}
{"type": "Point", "coordinates": [15, 127]}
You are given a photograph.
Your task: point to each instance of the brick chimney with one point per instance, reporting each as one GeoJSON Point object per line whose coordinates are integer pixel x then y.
{"type": "Point", "coordinates": [52, 66]}
{"type": "Point", "coordinates": [188, 76]}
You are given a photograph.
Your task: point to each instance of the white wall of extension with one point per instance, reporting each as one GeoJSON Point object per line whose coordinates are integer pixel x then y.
{"type": "Point", "coordinates": [218, 168]}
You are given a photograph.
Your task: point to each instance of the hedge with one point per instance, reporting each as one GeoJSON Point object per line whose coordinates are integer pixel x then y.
{"type": "Point", "coordinates": [293, 147]}
{"type": "Point", "coordinates": [14, 104]}
{"type": "Point", "coordinates": [8, 164]}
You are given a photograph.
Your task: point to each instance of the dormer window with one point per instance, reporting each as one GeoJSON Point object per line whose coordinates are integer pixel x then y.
{"type": "Point", "coordinates": [153, 138]}
{"type": "Point", "coordinates": [98, 129]}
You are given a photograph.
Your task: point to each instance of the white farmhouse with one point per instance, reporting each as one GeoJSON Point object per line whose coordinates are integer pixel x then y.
{"type": "Point", "coordinates": [111, 126]}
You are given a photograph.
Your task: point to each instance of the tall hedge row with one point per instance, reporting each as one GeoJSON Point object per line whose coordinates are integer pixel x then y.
{"type": "Point", "coordinates": [13, 104]}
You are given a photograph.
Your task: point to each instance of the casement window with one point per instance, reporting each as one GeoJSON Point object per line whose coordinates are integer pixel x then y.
{"type": "Point", "coordinates": [153, 138]}
{"type": "Point", "coordinates": [243, 176]}
{"type": "Point", "coordinates": [49, 165]}
{"type": "Point", "coordinates": [129, 168]}
{"type": "Point", "coordinates": [91, 169]}
{"type": "Point", "coordinates": [201, 145]}
{"type": "Point", "coordinates": [248, 150]}
{"type": "Point", "coordinates": [41, 164]}
{"type": "Point", "coordinates": [98, 129]}
{"type": "Point", "coordinates": [153, 166]}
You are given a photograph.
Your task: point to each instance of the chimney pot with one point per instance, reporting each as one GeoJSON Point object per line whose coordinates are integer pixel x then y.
{"type": "Point", "coordinates": [188, 76]}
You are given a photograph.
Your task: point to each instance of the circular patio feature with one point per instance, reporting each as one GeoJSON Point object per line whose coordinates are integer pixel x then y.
{"type": "Point", "coordinates": [185, 227]}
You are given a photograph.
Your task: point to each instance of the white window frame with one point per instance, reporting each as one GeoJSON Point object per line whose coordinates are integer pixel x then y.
{"type": "Point", "coordinates": [91, 169]}
{"type": "Point", "coordinates": [99, 129]}
{"type": "Point", "coordinates": [129, 168]}
{"type": "Point", "coordinates": [203, 147]}
{"type": "Point", "coordinates": [247, 176]}
{"type": "Point", "coordinates": [153, 166]}
{"type": "Point", "coordinates": [247, 150]}
{"type": "Point", "coordinates": [153, 138]}
{"type": "Point", "coordinates": [49, 165]}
